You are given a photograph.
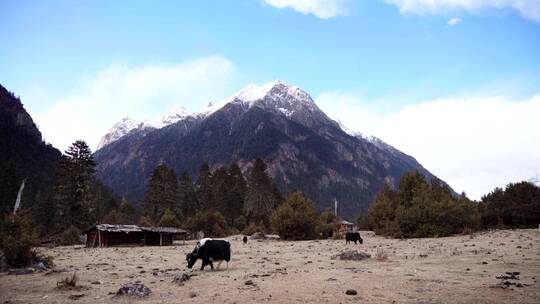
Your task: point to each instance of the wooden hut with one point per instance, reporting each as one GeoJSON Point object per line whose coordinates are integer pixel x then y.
{"type": "Point", "coordinates": [162, 236]}
{"type": "Point", "coordinates": [104, 235]}
{"type": "Point", "coordinates": [346, 226]}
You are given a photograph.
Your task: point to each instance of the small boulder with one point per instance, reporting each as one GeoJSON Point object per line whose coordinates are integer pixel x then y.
{"type": "Point", "coordinates": [351, 292]}
{"type": "Point", "coordinates": [134, 289]}
{"type": "Point", "coordinates": [352, 255]}
{"type": "Point", "coordinates": [258, 236]}
{"type": "Point", "coordinates": [181, 277]}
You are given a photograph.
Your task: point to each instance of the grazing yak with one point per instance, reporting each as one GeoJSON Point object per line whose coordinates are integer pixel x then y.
{"type": "Point", "coordinates": [209, 250]}
{"type": "Point", "coordinates": [353, 237]}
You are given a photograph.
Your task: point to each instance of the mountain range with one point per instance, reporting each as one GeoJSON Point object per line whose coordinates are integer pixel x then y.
{"type": "Point", "coordinates": [303, 147]}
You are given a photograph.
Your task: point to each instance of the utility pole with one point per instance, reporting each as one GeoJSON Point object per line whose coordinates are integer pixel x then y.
{"type": "Point", "coordinates": [335, 206]}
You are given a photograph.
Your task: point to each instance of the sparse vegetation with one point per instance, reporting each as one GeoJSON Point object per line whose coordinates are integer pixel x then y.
{"type": "Point", "coordinates": [69, 282]}
{"type": "Point", "coordinates": [168, 219]}
{"type": "Point", "coordinates": [252, 228]}
{"type": "Point", "coordinates": [17, 239]}
{"type": "Point", "coordinates": [429, 209]}
{"type": "Point", "coordinates": [328, 224]}
{"type": "Point", "coordinates": [420, 209]}
{"type": "Point", "coordinates": [296, 218]}
{"type": "Point", "coordinates": [381, 256]}
{"type": "Point", "coordinates": [145, 222]}
{"type": "Point", "coordinates": [211, 222]}
{"type": "Point", "coordinates": [517, 206]}
{"type": "Point", "coordinates": [71, 236]}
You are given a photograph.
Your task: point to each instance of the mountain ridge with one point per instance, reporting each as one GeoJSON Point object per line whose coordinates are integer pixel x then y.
{"type": "Point", "coordinates": [303, 147]}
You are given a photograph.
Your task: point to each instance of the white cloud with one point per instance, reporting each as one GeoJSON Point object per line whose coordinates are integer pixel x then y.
{"type": "Point", "coordinates": [139, 92]}
{"type": "Point", "coordinates": [323, 9]}
{"type": "Point", "coordinates": [529, 9]}
{"type": "Point", "coordinates": [454, 21]}
{"type": "Point", "coordinates": [474, 144]}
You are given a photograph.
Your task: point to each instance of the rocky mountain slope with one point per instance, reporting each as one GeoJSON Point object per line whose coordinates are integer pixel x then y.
{"type": "Point", "coordinates": [23, 155]}
{"type": "Point", "coordinates": [304, 149]}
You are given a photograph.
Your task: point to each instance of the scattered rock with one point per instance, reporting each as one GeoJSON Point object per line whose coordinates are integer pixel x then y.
{"type": "Point", "coordinates": [506, 280]}
{"type": "Point", "coordinates": [180, 278]}
{"type": "Point", "coordinates": [351, 292]}
{"type": "Point", "coordinates": [76, 296]}
{"type": "Point", "coordinates": [19, 271]}
{"type": "Point", "coordinates": [352, 255]}
{"type": "Point", "coordinates": [249, 282]}
{"type": "Point", "coordinates": [192, 294]}
{"type": "Point", "coordinates": [509, 276]}
{"type": "Point", "coordinates": [134, 289]}
{"type": "Point", "coordinates": [258, 236]}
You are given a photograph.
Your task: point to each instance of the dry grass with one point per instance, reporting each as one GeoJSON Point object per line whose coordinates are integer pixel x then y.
{"type": "Point", "coordinates": [455, 270]}
{"type": "Point", "coordinates": [381, 256]}
{"type": "Point", "coordinates": [69, 282]}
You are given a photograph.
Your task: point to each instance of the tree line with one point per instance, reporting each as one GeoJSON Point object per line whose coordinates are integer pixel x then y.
{"type": "Point", "coordinates": [421, 208]}
{"type": "Point", "coordinates": [218, 202]}
{"type": "Point", "coordinates": [227, 201]}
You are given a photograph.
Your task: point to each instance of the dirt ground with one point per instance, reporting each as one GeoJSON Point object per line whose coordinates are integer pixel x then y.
{"type": "Point", "coordinates": [460, 269]}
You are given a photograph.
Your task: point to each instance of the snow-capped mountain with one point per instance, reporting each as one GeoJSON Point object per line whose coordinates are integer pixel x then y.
{"type": "Point", "coordinates": [303, 147]}
{"type": "Point", "coordinates": [127, 124]}
{"type": "Point", "coordinates": [274, 96]}
{"type": "Point", "coordinates": [119, 129]}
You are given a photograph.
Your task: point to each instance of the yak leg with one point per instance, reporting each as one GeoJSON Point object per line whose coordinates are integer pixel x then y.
{"type": "Point", "coordinates": [219, 264]}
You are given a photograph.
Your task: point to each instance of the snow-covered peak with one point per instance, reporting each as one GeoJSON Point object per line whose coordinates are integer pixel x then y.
{"type": "Point", "coordinates": [273, 90]}
{"type": "Point", "coordinates": [118, 130]}
{"type": "Point", "coordinates": [178, 114]}
{"type": "Point", "coordinates": [126, 125]}
{"type": "Point", "coordinates": [275, 94]}
{"type": "Point", "coordinates": [289, 100]}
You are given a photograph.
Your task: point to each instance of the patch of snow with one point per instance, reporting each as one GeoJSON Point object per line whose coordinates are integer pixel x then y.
{"type": "Point", "coordinates": [119, 129]}
{"type": "Point", "coordinates": [126, 125]}
{"type": "Point", "coordinates": [275, 93]}
{"type": "Point", "coordinates": [286, 112]}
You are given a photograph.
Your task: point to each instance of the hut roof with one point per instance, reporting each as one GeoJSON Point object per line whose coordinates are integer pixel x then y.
{"type": "Point", "coordinates": [164, 229]}
{"type": "Point", "coordinates": [134, 228]}
{"type": "Point", "coordinates": [115, 228]}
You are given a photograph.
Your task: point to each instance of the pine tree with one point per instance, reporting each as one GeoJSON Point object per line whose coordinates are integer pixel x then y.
{"type": "Point", "coordinates": [221, 192]}
{"type": "Point", "coordinates": [188, 203]}
{"type": "Point", "coordinates": [162, 193]}
{"type": "Point", "coordinates": [237, 194]}
{"type": "Point", "coordinates": [104, 202]}
{"type": "Point", "coordinates": [260, 198]}
{"type": "Point", "coordinates": [44, 213]}
{"type": "Point", "coordinates": [73, 190]}
{"type": "Point", "coordinates": [168, 219]}
{"type": "Point", "coordinates": [128, 214]}
{"type": "Point", "coordinates": [204, 188]}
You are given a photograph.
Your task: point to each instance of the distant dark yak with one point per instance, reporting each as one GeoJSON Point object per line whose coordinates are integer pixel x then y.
{"type": "Point", "coordinates": [353, 237]}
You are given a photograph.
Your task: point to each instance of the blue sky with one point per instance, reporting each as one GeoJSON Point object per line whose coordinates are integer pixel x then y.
{"type": "Point", "coordinates": [374, 60]}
